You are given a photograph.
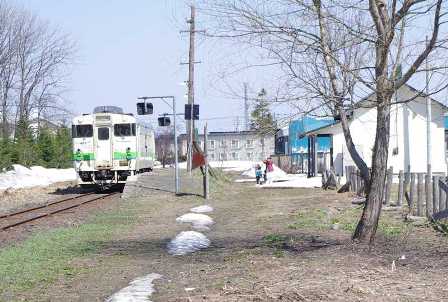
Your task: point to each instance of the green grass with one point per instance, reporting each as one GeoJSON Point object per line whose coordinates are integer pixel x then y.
{"type": "Point", "coordinates": [277, 242]}
{"type": "Point", "coordinates": [46, 256]}
{"type": "Point", "coordinates": [274, 239]}
{"type": "Point", "coordinates": [319, 219]}
{"type": "Point", "coordinates": [316, 219]}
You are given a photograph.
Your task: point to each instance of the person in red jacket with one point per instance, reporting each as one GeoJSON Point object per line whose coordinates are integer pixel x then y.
{"type": "Point", "coordinates": [269, 167]}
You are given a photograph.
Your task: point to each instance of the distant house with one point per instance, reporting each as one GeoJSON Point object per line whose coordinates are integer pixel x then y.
{"type": "Point", "coordinates": [234, 145]}
{"type": "Point", "coordinates": [407, 143]}
{"type": "Point", "coordinates": [282, 141]}
{"type": "Point", "coordinates": [298, 143]}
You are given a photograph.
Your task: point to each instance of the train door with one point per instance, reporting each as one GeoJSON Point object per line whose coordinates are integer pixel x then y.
{"type": "Point", "coordinates": [103, 147]}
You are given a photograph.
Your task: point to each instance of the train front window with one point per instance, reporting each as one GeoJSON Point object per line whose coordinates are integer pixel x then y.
{"type": "Point", "coordinates": [103, 134]}
{"type": "Point", "coordinates": [124, 129]}
{"type": "Point", "coordinates": [79, 131]}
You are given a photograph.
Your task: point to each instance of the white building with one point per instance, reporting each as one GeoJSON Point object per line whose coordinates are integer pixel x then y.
{"type": "Point", "coordinates": [234, 145]}
{"type": "Point", "coordinates": [407, 144]}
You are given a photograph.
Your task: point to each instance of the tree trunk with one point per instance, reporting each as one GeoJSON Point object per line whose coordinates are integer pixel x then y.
{"type": "Point", "coordinates": [368, 223]}
{"type": "Point", "coordinates": [357, 159]}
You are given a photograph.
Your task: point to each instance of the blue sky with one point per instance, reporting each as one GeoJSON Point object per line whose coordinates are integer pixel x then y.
{"type": "Point", "coordinates": [128, 49]}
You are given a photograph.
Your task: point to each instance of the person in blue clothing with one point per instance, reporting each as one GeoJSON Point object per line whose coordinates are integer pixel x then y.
{"type": "Point", "coordinates": [258, 174]}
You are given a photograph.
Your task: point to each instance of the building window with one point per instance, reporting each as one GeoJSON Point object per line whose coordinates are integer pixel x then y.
{"type": "Point", "coordinates": [235, 156]}
{"type": "Point", "coordinates": [249, 143]}
{"type": "Point", "coordinates": [211, 156]}
{"type": "Point", "coordinates": [211, 145]}
{"type": "Point", "coordinates": [223, 144]}
{"type": "Point", "coordinates": [222, 156]}
{"type": "Point", "coordinates": [250, 155]}
{"type": "Point", "coordinates": [235, 144]}
{"type": "Point", "coordinates": [262, 141]}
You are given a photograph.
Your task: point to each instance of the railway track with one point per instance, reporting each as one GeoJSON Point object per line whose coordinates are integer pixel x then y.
{"type": "Point", "coordinates": [11, 220]}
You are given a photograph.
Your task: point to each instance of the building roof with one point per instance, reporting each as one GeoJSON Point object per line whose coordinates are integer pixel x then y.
{"type": "Point", "coordinates": [366, 99]}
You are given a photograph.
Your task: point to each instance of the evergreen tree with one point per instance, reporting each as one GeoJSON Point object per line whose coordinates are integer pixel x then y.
{"type": "Point", "coordinates": [262, 119]}
{"type": "Point", "coordinates": [26, 147]}
{"type": "Point", "coordinates": [63, 150]}
{"type": "Point", "coordinates": [6, 153]}
{"type": "Point", "coordinates": [46, 147]}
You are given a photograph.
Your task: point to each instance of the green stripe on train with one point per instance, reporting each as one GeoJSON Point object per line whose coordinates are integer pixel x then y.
{"type": "Point", "coordinates": [83, 156]}
{"type": "Point", "coordinates": [125, 155]}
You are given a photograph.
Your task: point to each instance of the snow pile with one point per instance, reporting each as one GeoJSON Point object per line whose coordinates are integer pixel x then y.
{"type": "Point", "coordinates": [202, 209]}
{"type": "Point", "coordinates": [22, 177]}
{"type": "Point", "coordinates": [276, 174]}
{"type": "Point", "coordinates": [138, 290]}
{"type": "Point", "coordinates": [299, 181]}
{"type": "Point", "coordinates": [188, 242]}
{"type": "Point", "coordinates": [199, 221]}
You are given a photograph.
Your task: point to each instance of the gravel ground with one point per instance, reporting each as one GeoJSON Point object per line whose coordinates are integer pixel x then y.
{"type": "Point", "coordinates": [11, 200]}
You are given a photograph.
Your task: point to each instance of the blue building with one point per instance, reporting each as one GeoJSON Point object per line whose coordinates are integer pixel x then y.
{"type": "Point", "coordinates": [298, 144]}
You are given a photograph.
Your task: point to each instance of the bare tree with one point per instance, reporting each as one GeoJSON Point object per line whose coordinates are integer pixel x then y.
{"type": "Point", "coordinates": [8, 66]}
{"type": "Point", "coordinates": [42, 56]}
{"type": "Point", "coordinates": [165, 146]}
{"type": "Point", "coordinates": [334, 51]}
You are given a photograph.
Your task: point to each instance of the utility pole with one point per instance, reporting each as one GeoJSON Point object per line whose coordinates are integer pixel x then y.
{"type": "Point", "coordinates": [190, 123]}
{"type": "Point", "coordinates": [246, 109]}
{"type": "Point", "coordinates": [191, 62]}
{"type": "Point", "coordinates": [428, 120]}
{"type": "Point", "coordinates": [206, 176]}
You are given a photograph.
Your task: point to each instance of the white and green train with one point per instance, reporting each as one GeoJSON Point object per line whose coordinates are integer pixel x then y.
{"type": "Point", "coordinates": [109, 146]}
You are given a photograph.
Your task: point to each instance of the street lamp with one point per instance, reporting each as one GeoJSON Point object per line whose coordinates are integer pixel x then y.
{"type": "Point", "coordinates": [176, 160]}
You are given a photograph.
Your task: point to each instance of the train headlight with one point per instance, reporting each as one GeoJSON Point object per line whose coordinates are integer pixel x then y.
{"type": "Point", "coordinates": [78, 155]}
{"type": "Point", "coordinates": [128, 154]}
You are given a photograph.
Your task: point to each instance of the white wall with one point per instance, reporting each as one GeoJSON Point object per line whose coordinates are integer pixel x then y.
{"type": "Point", "coordinates": [407, 135]}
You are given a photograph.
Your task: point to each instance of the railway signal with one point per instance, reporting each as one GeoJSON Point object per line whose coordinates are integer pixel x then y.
{"type": "Point", "coordinates": [164, 121]}
{"type": "Point", "coordinates": [191, 111]}
{"type": "Point", "coordinates": [144, 108]}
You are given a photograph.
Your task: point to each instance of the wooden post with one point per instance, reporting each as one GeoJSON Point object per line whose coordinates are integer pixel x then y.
{"type": "Point", "coordinates": [206, 176]}
{"type": "Point", "coordinates": [445, 200]}
{"type": "Point", "coordinates": [419, 194]}
{"type": "Point", "coordinates": [412, 193]}
{"type": "Point", "coordinates": [389, 176]}
{"type": "Point", "coordinates": [428, 195]}
{"type": "Point", "coordinates": [435, 194]}
{"type": "Point", "coordinates": [355, 180]}
{"type": "Point", "coordinates": [347, 176]}
{"type": "Point", "coordinates": [350, 176]}
{"type": "Point", "coordinates": [358, 182]}
{"type": "Point", "coordinates": [400, 187]}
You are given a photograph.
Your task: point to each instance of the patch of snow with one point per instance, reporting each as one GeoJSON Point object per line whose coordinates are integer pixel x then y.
{"type": "Point", "coordinates": [139, 290]}
{"type": "Point", "coordinates": [202, 209]}
{"type": "Point", "coordinates": [23, 177]}
{"type": "Point", "coordinates": [246, 180]}
{"type": "Point", "coordinates": [188, 242]}
{"type": "Point", "coordinates": [276, 174]}
{"type": "Point", "coordinates": [299, 181]}
{"type": "Point", "coordinates": [199, 221]}
{"type": "Point", "coordinates": [132, 178]}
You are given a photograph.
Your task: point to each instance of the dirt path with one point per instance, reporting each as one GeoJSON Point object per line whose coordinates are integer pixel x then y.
{"type": "Point", "coordinates": [266, 245]}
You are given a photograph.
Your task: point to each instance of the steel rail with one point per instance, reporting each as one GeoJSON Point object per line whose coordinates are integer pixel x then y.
{"type": "Point", "coordinates": [43, 206]}
{"type": "Point", "coordinates": [4, 228]}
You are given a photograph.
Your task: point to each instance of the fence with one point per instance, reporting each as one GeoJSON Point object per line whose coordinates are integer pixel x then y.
{"type": "Point", "coordinates": [425, 196]}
